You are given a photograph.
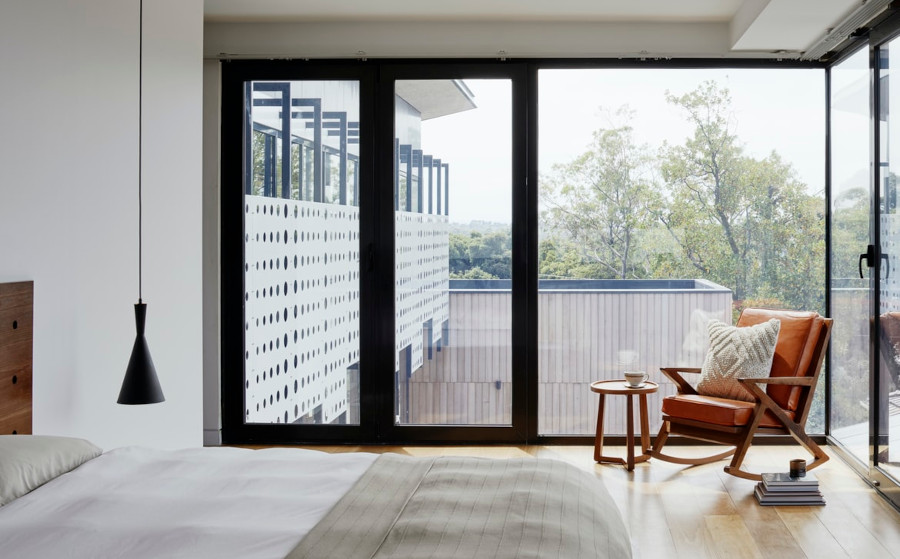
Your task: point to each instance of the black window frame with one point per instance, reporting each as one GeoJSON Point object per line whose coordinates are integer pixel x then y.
{"type": "Point", "coordinates": [872, 39]}
{"type": "Point", "coordinates": [517, 431]}
{"type": "Point", "coordinates": [375, 167]}
{"type": "Point", "coordinates": [234, 172]}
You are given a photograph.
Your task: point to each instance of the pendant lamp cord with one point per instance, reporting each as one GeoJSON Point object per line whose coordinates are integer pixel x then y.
{"type": "Point", "coordinates": [140, 144]}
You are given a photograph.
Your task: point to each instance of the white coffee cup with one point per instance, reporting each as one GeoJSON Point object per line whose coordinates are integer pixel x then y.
{"type": "Point", "coordinates": [635, 378]}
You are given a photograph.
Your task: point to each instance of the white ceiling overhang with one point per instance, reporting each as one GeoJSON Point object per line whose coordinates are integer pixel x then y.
{"type": "Point", "coordinates": [468, 10]}
{"type": "Point", "coordinates": [787, 25]}
{"type": "Point", "coordinates": [523, 28]}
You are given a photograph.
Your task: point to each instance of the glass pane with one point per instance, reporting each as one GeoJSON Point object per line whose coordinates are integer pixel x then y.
{"type": "Point", "coordinates": [888, 421]}
{"type": "Point", "coordinates": [453, 202]}
{"type": "Point", "coordinates": [301, 275]}
{"type": "Point", "coordinates": [669, 198]}
{"type": "Point", "coordinates": [851, 207]}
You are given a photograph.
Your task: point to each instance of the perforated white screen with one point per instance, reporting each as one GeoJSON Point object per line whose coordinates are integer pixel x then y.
{"type": "Point", "coordinates": [302, 303]}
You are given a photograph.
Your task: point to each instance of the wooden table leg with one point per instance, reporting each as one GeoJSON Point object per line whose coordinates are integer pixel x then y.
{"type": "Point", "coordinates": [629, 439]}
{"type": "Point", "coordinates": [598, 442]}
{"type": "Point", "coordinates": [645, 426]}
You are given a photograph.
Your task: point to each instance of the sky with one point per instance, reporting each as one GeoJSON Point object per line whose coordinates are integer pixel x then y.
{"type": "Point", "coordinates": [772, 109]}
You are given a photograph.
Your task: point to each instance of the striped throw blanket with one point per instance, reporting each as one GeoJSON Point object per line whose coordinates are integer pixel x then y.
{"type": "Point", "coordinates": [469, 508]}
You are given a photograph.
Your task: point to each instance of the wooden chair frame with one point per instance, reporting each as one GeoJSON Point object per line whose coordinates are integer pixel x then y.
{"type": "Point", "coordinates": [741, 437]}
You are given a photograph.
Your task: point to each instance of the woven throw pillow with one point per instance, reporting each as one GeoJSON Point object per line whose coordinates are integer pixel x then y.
{"type": "Point", "coordinates": [734, 352]}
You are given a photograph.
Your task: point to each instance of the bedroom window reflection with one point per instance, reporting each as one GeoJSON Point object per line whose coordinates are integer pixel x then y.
{"type": "Point", "coordinates": [302, 253]}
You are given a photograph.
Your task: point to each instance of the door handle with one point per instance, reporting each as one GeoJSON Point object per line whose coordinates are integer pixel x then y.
{"type": "Point", "coordinates": [869, 257]}
{"type": "Point", "coordinates": [887, 265]}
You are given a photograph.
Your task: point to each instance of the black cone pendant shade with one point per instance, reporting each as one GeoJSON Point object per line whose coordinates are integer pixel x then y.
{"type": "Point", "coordinates": [141, 386]}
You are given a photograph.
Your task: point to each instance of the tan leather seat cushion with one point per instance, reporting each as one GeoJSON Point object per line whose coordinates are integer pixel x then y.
{"type": "Point", "coordinates": [719, 411]}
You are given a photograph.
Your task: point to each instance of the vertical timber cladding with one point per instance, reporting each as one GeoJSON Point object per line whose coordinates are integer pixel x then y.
{"type": "Point", "coordinates": [302, 304]}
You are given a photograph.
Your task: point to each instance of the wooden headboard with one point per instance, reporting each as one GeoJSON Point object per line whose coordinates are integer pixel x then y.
{"type": "Point", "coordinates": [16, 331]}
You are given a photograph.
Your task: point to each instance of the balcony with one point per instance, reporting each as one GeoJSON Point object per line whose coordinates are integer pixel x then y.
{"type": "Point", "coordinates": [589, 330]}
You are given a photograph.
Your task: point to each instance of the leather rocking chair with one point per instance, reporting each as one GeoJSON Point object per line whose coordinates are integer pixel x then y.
{"type": "Point", "coordinates": [781, 401]}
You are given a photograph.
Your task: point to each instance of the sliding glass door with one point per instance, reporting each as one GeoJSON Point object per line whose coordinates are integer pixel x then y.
{"type": "Point", "coordinates": [458, 190]}
{"type": "Point", "coordinates": [296, 186]}
{"type": "Point", "coordinates": [885, 391]}
{"type": "Point", "coordinates": [865, 250]}
{"type": "Point", "coordinates": [851, 206]}
{"type": "Point", "coordinates": [369, 274]}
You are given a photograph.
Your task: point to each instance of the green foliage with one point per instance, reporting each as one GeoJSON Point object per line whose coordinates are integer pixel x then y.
{"type": "Point", "coordinates": [602, 201]}
{"type": "Point", "coordinates": [849, 231]}
{"type": "Point", "coordinates": [258, 161]}
{"type": "Point", "coordinates": [559, 259]}
{"type": "Point", "coordinates": [476, 273]}
{"type": "Point", "coordinates": [700, 209]}
{"type": "Point", "coordinates": [258, 143]}
{"type": "Point", "coordinates": [481, 256]}
{"type": "Point", "coordinates": [742, 222]}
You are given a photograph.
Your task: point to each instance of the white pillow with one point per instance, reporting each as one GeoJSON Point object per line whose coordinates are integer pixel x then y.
{"type": "Point", "coordinates": [29, 461]}
{"type": "Point", "coordinates": [734, 352]}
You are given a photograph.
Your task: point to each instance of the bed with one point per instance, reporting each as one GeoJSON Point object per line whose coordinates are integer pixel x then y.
{"type": "Point", "coordinates": [64, 497]}
{"type": "Point", "coordinates": [295, 503]}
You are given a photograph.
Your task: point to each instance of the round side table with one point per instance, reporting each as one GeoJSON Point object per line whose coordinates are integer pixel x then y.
{"type": "Point", "coordinates": [621, 388]}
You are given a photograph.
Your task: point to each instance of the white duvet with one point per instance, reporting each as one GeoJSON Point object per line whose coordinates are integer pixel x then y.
{"type": "Point", "coordinates": [139, 503]}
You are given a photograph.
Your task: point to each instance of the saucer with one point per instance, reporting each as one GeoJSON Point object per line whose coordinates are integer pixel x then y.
{"type": "Point", "coordinates": [641, 385]}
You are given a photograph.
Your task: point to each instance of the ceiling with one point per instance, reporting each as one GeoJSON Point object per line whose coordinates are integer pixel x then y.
{"type": "Point", "coordinates": [752, 25]}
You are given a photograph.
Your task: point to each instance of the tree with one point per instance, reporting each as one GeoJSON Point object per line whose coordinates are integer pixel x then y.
{"type": "Point", "coordinates": [849, 231]}
{"type": "Point", "coordinates": [603, 199]}
{"type": "Point", "coordinates": [560, 259]}
{"type": "Point", "coordinates": [743, 222]}
{"type": "Point", "coordinates": [481, 255]}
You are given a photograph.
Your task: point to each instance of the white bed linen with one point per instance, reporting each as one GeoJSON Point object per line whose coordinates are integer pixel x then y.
{"type": "Point", "coordinates": [139, 503]}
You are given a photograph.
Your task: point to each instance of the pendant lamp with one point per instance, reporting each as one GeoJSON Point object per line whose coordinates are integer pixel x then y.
{"type": "Point", "coordinates": [141, 385]}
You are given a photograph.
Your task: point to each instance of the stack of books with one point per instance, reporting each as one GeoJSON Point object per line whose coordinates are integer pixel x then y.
{"type": "Point", "coordinates": [782, 489]}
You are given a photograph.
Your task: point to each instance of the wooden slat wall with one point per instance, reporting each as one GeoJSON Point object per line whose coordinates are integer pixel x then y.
{"type": "Point", "coordinates": [16, 331]}
{"type": "Point", "coordinates": [580, 336]}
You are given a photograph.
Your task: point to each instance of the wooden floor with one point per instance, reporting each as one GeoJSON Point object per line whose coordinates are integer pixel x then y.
{"type": "Point", "coordinates": [697, 512]}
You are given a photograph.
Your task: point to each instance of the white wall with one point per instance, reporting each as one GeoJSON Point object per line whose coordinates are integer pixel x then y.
{"type": "Point", "coordinates": [212, 94]}
{"type": "Point", "coordinates": [68, 208]}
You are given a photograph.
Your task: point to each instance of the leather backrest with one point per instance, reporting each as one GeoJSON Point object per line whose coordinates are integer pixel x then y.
{"type": "Point", "coordinates": [795, 352]}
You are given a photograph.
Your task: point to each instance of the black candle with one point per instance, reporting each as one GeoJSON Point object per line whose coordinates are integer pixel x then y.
{"type": "Point", "coordinates": [798, 468]}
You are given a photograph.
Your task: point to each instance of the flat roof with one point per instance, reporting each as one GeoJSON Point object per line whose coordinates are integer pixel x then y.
{"type": "Point", "coordinates": [436, 98]}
